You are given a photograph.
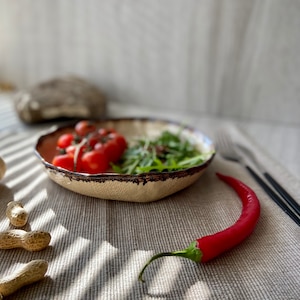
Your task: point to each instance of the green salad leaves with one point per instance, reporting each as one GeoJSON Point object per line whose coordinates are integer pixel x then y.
{"type": "Point", "coordinates": [167, 152]}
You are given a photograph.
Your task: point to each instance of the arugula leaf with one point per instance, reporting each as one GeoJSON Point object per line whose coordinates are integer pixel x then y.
{"type": "Point", "coordinates": [168, 152]}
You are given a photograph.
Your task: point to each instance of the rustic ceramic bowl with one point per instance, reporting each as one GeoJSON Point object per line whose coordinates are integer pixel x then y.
{"type": "Point", "coordinates": [144, 187]}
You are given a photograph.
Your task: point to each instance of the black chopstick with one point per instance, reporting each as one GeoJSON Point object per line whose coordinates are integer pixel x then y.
{"type": "Point", "coordinates": [284, 194]}
{"type": "Point", "coordinates": [274, 196]}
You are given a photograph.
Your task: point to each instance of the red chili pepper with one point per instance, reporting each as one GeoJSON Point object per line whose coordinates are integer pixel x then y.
{"type": "Point", "coordinates": [208, 247]}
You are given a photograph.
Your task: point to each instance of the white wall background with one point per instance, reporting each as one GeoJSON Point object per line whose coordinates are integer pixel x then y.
{"type": "Point", "coordinates": [233, 58]}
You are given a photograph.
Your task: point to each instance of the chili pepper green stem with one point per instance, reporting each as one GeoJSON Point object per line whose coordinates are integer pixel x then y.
{"type": "Point", "coordinates": [191, 252]}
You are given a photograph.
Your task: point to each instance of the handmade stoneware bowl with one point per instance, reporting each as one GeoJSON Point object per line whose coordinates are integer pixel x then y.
{"type": "Point", "coordinates": [144, 187]}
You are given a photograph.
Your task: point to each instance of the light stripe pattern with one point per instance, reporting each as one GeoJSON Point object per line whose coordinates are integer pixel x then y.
{"type": "Point", "coordinates": [98, 246]}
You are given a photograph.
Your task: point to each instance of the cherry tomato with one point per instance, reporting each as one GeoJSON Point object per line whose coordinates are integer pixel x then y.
{"type": "Point", "coordinates": [94, 162]}
{"type": "Point", "coordinates": [84, 127]}
{"type": "Point", "coordinates": [106, 131]}
{"type": "Point", "coordinates": [65, 140]}
{"type": "Point", "coordinates": [99, 147]}
{"type": "Point", "coordinates": [93, 140]}
{"type": "Point", "coordinates": [119, 139]}
{"type": "Point", "coordinates": [102, 131]}
{"type": "Point", "coordinates": [64, 161]}
{"type": "Point", "coordinates": [112, 151]}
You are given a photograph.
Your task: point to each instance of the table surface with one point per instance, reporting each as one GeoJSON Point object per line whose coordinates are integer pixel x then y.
{"type": "Point", "coordinates": [99, 246]}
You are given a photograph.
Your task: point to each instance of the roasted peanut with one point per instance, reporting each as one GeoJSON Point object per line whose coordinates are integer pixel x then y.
{"type": "Point", "coordinates": [2, 168]}
{"type": "Point", "coordinates": [31, 241]}
{"type": "Point", "coordinates": [28, 274]}
{"type": "Point", "coordinates": [16, 214]}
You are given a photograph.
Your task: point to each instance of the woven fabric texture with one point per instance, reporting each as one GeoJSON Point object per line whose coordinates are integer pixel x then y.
{"type": "Point", "coordinates": [98, 246]}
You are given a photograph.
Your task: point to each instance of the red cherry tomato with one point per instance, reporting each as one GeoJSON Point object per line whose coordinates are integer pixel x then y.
{"type": "Point", "coordinates": [106, 131]}
{"type": "Point", "coordinates": [65, 140]}
{"type": "Point", "coordinates": [64, 161]}
{"type": "Point", "coordinates": [99, 147]}
{"type": "Point", "coordinates": [119, 139]}
{"type": "Point", "coordinates": [112, 151]}
{"type": "Point", "coordinates": [84, 127]}
{"type": "Point", "coordinates": [102, 131]}
{"type": "Point", "coordinates": [94, 162]}
{"type": "Point", "coordinates": [93, 140]}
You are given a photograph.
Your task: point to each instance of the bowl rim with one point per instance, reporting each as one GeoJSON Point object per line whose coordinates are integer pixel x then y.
{"type": "Point", "coordinates": [137, 178]}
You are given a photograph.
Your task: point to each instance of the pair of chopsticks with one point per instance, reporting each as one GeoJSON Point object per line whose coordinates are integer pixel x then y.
{"type": "Point", "coordinates": [228, 150]}
{"type": "Point", "coordinates": [282, 198]}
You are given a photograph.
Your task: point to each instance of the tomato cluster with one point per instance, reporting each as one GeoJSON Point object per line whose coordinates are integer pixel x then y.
{"type": "Point", "coordinates": [89, 149]}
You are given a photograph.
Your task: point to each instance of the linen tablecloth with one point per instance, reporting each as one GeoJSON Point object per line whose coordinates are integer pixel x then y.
{"type": "Point", "coordinates": [99, 246]}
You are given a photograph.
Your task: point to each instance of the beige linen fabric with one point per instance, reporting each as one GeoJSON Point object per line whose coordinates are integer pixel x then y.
{"type": "Point", "coordinates": [98, 246]}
